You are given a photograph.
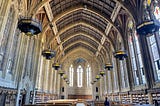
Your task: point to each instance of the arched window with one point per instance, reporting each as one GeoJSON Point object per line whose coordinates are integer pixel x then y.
{"type": "Point", "coordinates": [79, 76]}
{"type": "Point", "coordinates": [135, 55]}
{"type": "Point", "coordinates": [71, 72]}
{"type": "Point", "coordinates": [88, 74]}
{"type": "Point", "coordinates": [154, 48]}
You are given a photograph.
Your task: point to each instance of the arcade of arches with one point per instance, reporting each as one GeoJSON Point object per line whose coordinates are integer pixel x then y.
{"type": "Point", "coordinates": [85, 34]}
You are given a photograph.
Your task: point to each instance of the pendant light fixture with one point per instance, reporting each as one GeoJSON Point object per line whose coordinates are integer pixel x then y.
{"type": "Point", "coordinates": [61, 73]}
{"type": "Point", "coordinates": [149, 24]}
{"type": "Point", "coordinates": [56, 66]}
{"type": "Point", "coordinates": [102, 73]}
{"type": "Point", "coordinates": [120, 54]}
{"type": "Point", "coordinates": [92, 82]}
{"type": "Point", "coordinates": [97, 77]}
{"type": "Point", "coordinates": [48, 54]}
{"type": "Point", "coordinates": [29, 25]}
{"type": "Point", "coordinates": [108, 66]}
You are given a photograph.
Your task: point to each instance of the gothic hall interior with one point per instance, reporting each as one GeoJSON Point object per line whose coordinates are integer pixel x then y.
{"type": "Point", "coordinates": [78, 52]}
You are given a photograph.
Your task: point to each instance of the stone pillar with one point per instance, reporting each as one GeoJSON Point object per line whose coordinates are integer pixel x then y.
{"type": "Point", "coordinates": [44, 74]}
{"type": "Point", "coordinates": [58, 85]}
{"type": "Point", "coordinates": [55, 81]}
{"type": "Point", "coordinates": [20, 64]}
{"type": "Point", "coordinates": [50, 78]}
{"type": "Point", "coordinates": [4, 16]}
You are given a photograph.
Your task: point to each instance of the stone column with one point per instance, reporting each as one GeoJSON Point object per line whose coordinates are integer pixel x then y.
{"type": "Point", "coordinates": [4, 15]}
{"type": "Point", "coordinates": [58, 85]}
{"type": "Point", "coordinates": [55, 82]}
{"type": "Point", "coordinates": [20, 64]}
{"type": "Point", "coordinates": [44, 74]}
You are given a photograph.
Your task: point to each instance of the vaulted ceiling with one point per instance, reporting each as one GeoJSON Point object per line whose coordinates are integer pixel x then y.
{"type": "Point", "coordinates": [94, 25]}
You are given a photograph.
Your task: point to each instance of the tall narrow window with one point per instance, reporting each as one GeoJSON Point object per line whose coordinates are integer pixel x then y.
{"type": "Point", "coordinates": [5, 38]}
{"type": "Point", "coordinates": [139, 57]}
{"type": "Point", "coordinates": [88, 74]}
{"type": "Point", "coordinates": [133, 60]}
{"type": "Point", "coordinates": [79, 76]}
{"type": "Point", "coordinates": [135, 55]}
{"type": "Point", "coordinates": [155, 56]}
{"type": "Point", "coordinates": [154, 48]}
{"type": "Point", "coordinates": [71, 72]}
{"type": "Point", "coordinates": [157, 14]}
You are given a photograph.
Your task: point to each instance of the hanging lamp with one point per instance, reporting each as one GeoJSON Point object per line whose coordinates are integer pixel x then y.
{"type": "Point", "coordinates": [67, 82]}
{"type": "Point", "coordinates": [108, 66]}
{"type": "Point", "coordinates": [64, 77]}
{"type": "Point", "coordinates": [56, 66]}
{"type": "Point", "coordinates": [148, 25]}
{"type": "Point", "coordinates": [61, 73]}
{"type": "Point", "coordinates": [95, 80]}
{"type": "Point", "coordinates": [120, 54]}
{"type": "Point", "coordinates": [102, 73]}
{"type": "Point", "coordinates": [92, 82]}
{"type": "Point", "coordinates": [29, 26]}
{"type": "Point", "coordinates": [97, 77]}
{"type": "Point", "coordinates": [48, 54]}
